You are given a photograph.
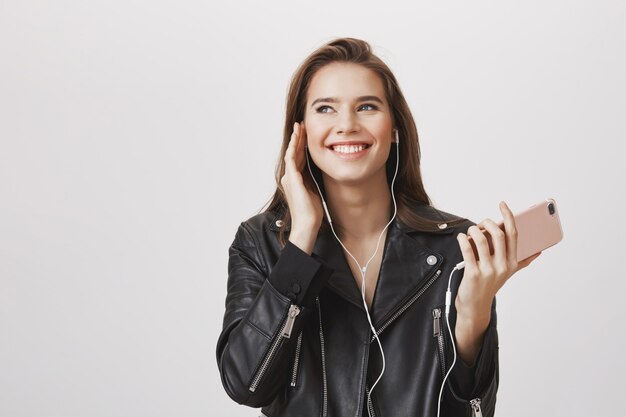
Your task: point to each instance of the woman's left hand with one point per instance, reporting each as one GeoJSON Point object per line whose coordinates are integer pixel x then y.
{"type": "Point", "coordinates": [483, 277]}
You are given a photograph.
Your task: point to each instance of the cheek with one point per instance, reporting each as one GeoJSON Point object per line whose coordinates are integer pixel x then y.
{"type": "Point", "coordinates": [316, 133]}
{"type": "Point", "coordinates": [383, 127]}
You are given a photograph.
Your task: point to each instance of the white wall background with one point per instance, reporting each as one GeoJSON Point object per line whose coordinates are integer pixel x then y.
{"type": "Point", "coordinates": [136, 135]}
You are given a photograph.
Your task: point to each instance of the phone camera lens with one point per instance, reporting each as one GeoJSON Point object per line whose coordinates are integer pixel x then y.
{"type": "Point", "coordinates": [551, 208]}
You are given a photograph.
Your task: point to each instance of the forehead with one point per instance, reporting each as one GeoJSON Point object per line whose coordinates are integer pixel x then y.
{"type": "Point", "coordinates": [345, 81]}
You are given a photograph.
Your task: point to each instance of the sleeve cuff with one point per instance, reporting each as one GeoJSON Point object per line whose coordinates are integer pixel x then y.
{"type": "Point", "coordinates": [298, 275]}
{"type": "Point", "coordinates": [462, 377]}
{"type": "Point", "coordinates": [467, 381]}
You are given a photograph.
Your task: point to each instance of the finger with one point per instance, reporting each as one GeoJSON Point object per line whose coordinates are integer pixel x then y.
{"type": "Point", "coordinates": [510, 231]}
{"type": "Point", "coordinates": [303, 134]}
{"type": "Point", "coordinates": [290, 166]}
{"type": "Point", "coordinates": [485, 233]}
{"type": "Point", "coordinates": [497, 239]}
{"type": "Point", "coordinates": [471, 241]}
{"type": "Point", "coordinates": [481, 243]}
{"type": "Point", "coordinates": [466, 251]}
{"type": "Point", "coordinates": [300, 156]}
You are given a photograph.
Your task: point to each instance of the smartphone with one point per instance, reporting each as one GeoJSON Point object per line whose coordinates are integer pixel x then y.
{"type": "Point", "coordinates": [538, 228]}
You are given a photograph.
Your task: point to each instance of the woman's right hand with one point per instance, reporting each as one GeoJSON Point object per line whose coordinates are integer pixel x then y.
{"type": "Point", "coordinates": [305, 205]}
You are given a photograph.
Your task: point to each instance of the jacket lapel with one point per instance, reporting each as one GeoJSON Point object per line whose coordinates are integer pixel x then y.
{"type": "Point", "coordinates": [406, 266]}
{"type": "Point", "coordinates": [341, 281]}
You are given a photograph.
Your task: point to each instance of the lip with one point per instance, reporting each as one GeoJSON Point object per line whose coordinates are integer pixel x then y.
{"type": "Point", "coordinates": [347, 142]}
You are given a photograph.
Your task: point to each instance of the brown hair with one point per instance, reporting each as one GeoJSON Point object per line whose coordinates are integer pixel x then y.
{"type": "Point", "coordinates": [408, 188]}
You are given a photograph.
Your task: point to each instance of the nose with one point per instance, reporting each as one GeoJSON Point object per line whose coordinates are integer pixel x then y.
{"type": "Point", "coordinates": [347, 123]}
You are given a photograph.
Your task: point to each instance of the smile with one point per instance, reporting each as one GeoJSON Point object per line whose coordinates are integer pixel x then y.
{"type": "Point", "coordinates": [350, 151]}
{"type": "Point", "coordinates": [349, 148]}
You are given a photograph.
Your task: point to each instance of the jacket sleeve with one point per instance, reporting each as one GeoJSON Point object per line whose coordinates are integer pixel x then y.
{"type": "Point", "coordinates": [479, 381]}
{"type": "Point", "coordinates": [253, 349]}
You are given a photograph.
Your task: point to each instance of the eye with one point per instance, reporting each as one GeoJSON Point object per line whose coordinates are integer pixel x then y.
{"type": "Point", "coordinates": [321, 109]}
{"type": "Point", "coordinates": [371, 106]}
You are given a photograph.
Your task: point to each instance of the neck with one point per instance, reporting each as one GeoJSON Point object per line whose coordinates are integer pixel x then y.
{"type": "Point", "coordinates": [361, 210]}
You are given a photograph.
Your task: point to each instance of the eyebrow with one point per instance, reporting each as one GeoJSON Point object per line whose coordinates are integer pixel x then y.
{"type": "Point", "coordinates": [335, 99]}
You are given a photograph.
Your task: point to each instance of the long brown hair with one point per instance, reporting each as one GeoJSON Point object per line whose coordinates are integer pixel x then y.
{"type": "Point", "coordinates": [408, 188]}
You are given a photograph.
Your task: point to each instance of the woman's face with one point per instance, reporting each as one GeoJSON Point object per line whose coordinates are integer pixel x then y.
{"type": "Point", "coordinates": [348, 123]}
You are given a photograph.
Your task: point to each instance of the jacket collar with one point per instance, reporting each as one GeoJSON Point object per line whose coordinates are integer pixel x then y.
{"type": "Point", "coordinates": [406, 266]}
{"type": "Point", "coordinates": [424, 210]}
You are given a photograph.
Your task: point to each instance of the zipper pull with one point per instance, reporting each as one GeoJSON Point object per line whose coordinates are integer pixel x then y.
{"type": "Point", "coordinates": [475, 404]}
{"type": "Point", "coordinates": [436, 322]}
{"type": "Point", "coordinates": [294, 310]}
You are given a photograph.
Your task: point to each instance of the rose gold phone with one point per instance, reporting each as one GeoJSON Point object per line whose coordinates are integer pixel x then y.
{"type": "Point", "coordinates": [538, 228]}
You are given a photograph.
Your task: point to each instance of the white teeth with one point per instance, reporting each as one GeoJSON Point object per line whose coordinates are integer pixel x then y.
{"type": "Point", "coordinates": [348, 148]}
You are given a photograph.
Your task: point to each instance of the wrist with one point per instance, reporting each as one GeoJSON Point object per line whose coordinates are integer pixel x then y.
{"type": "Point", "coordinates": [472, 325]}
{"type": "Point", "coordinates": [473, 317]}
{"type": "Point", "coordinates": [474, 308]}
{"type": "Point", "coordinates": [469, 333]}
{"type": "Point", "coordinates": [303, 239]}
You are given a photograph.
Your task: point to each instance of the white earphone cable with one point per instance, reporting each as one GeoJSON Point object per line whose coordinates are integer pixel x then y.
{"type": "Point", "coordinates": [448, 302]}
{"type": "Point", "coordinates": [363, 270]}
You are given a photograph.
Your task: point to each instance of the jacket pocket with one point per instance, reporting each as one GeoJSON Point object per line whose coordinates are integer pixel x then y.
{"type": "Point", "coordinates": [441, 336]}
{"type": "Point", "coordinates": [285, 333]}
{"type": "Point", "coordinates": [439, 329]}
{"type": "Point", "coordinates": [295, 368]}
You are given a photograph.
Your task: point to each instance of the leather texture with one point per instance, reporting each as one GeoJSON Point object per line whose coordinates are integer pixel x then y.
{"type": "Point", "coordinates": [329, 361]}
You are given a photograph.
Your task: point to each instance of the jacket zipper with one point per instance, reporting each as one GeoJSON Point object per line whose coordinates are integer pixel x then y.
{"type": "Point", "coordinates": [408, 304]}
{"type": "Point", "coordinates": [398, 313]}
{"type": "Point", "coordinates": [325, 386]}
{"type": "Point", "coordinates": [438, 333]}
{"type": "Point", "coordinates": [370, 403]}
{"type": "Point", "coordinates": [476, 411]}
{"type": "Point", "coordinates": [296, 361]}
{"type": "Point", "coordinates": [285, 333]}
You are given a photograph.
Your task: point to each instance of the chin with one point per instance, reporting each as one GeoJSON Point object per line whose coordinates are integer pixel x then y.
{"type": "Point", "coordinates": [349, 176]}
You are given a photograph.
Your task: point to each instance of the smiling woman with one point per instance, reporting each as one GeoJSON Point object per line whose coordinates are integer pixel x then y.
{"type": "Point", "coordinates": [311, 288]}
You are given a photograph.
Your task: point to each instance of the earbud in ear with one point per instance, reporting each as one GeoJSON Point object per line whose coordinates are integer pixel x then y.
{"type": "Point", "coordinates": [397, 137]}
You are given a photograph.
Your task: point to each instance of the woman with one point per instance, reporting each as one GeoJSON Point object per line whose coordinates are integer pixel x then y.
{"type": "Point", "coordinates": [335, 304]}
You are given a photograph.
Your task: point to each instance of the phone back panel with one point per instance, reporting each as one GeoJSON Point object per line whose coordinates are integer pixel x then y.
{"type": "Point", "coordinates": [537, 229]}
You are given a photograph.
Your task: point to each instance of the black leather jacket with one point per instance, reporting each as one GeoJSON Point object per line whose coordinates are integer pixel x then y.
{"type": "Point", "coordinates": [296, 340]}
